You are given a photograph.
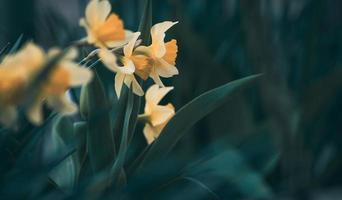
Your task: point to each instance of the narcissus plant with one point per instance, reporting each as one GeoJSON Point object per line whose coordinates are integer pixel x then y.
{"type": "Point", "coordinates": [91, 154]}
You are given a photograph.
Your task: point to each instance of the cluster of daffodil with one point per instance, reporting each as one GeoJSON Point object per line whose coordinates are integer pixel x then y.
{"type": "Point", "coordinates": [105, 30]}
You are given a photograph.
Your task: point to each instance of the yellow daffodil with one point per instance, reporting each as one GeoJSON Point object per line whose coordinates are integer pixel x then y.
{"type": "Point", "coordinates": [156, 116]}
{"type": "Point", "coordinates": [23, 67]}
{"type": "Point", "coordinates": [15, 74]}
{"type": "Point", "coordinates": [104, 29]}
{"type": "Point", "coordinates": [162, 55]}
{"type": "Point", "coordinates": [66, 74]}
{"type": "Point", "coordinates": [12, 84]}
{"type": "Point", "coordinates": [125, 74]}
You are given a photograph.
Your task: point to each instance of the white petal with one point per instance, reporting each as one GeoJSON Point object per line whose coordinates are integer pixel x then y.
{"type": "Point", "coordinates": [32, 55]}
{"type": "Point", "coordinates": [53, 52]}
{"type": "Point", "coordinates": [144, 50]}
{"type": "Point", "coordinates": [128, 49]}
{"type": "Point", "coordinates": [83, 23]}
{"type": "Point", "coordinates": [91, 12]}
{"type": "Point", "coordinates": [79, 75]}
{"type": "Point", "coordinates": [71, 54]}
{"type": "Point", "coordinates": [8, 116]}
{"type": "Point", "coordinates": [128, 80]}
{"type": "Point", "coordinates": [119, 79]}
{"type": "Point", "coordinates": [104, 9]}
{"type": "Point", "coordinates": [136, 87]}
{"type": "Point", "coordinates": [109, 60]}
{"type": "Point", "coordinates": [161, 114]}
{"type": "Point", "coordinates": [129, 68]}
{"type": "Point", "coordinates": [62, 104]}
{"type": "Point", "coordinates": [158, 47]}
{"type": "Point", "coordinates": [156, 78]}
{"type": "Point", "coordinates": [162, 27]}
{"type": "Point", "coordinates": [90, 37]}
{"type": "Point", "coordinates": [155, 94]}
{"type": "Point", "coordinates": [35, 112]}
{"type": "Point", "coordinates": [149, 133]}
{"type": "Point", "coordinates": [166, 70]}
{"type": "Point", "coordinates": [158, 36]}
{"type": "Point", "coordinates": [97, 12]}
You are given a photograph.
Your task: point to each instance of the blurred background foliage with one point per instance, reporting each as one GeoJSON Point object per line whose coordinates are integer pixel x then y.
{"type": "Point", "coordinates": [292, 118]}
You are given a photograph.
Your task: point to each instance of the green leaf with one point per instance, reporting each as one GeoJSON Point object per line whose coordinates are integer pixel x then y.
{"type": "Point", "coordinates": [32, 137]}
{"type": "Point", "coordinates": [120, 116]}
{"type": "Point", "coordinates": [136, 163]}
{"type": "Point", "coordinates": [65, 174]}
{"type": "Point", "coordinates": [119, 162]}
{"type": "Point", "coordinates": [193, 189]}
{"type": "Point", "coordinates": [146, 23]}
{"type": "Point", "coordinates": [203, 186]}
{"type": "Point", "coordinates": [101, 147]}
{"type": "Point", "coordinates": [234, 170]}
{"type": "Point", "coordinates": [191, 113]}
{"type": "Point", "coordinates": [80, 132]}
{"type": "Point", "coordinates": [64, 127]}
{"type": "Point", "coordinates": [84, 102]}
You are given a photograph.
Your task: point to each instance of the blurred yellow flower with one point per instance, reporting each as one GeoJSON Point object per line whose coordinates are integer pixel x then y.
{"type": "Point", "coordinates": [156, 116]}
{"type": "Point", "coordinates": [103, 28]}
{"type": "Point", "coordinates": [65, 75]}
{"type": "Point", "coordinates": [130, 62]}
{"type": "Point", "coordinates": [19, 70]}
{"type": "Point", "coordinates": [162, 55]}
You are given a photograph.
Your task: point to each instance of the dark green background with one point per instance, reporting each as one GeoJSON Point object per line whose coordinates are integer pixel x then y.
{"type": "Point", "coordinates": [297, 44]}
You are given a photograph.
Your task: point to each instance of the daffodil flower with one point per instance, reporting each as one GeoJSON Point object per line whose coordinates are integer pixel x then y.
{"type": "Point", "coordinates": [66, 74]}
{"type": "Point", "coordinates": [104, 29]}
{"type": "Point", "coordinates": [162, 55]}
{"type": "Point", "coordinates": [156, 116]}
{"type": "Point", "coordinates": [124, 74]}
{"type": "Point", "coordinates": [15, 74]}
{"type": "Point", "coordinates": [20, 69]}
{"type": "Point", "coordinates": [13, 80]}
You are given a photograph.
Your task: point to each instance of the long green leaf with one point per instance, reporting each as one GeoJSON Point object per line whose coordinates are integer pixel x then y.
{"type": "Point", "coordinates": [120, 116]}
{"type": "Point", "coordinates": [119, 162]}
{"type": "Point", "coordinates": [80, 132]}
{"type": "Point", "coordinates": [231, 168]}
{"type": "Point", "coordinates": [202, 185]}
{"type": "Point", "coordinates": [191, 113]}
{"type": "Point", "coordinates": [146, 23]}
{"type": "Point", "coordinates": [65, 173]}
{"type": "Point", "coordinates": [101, 147]}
